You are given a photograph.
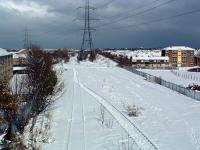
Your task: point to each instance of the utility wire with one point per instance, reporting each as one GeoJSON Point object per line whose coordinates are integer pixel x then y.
{"type": "Point", "coordinates": [161, 19]}
{"type": "Point", "coordinates": [137, 14]}
{"type": "Point", "coordinates": [106, 4]}
{"type": "Point", "coordinates": [133, 10]}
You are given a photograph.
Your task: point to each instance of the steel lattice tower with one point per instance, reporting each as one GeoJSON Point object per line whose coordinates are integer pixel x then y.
{"type": "Point", "coordinates": [87, 41]}
{"type": "Point", "coordinates": [27, 41]}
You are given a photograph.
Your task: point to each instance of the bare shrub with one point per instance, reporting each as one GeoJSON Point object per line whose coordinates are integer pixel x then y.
{"type": "Point", "coordinates": [132, 110]}
{"type": "Point", "coordinates": [109, 123]}
{"type": "Point", "coordinates": [126, 143]}
{"type": "Point", "coordinates": [105, 118]}
{"type": "Point", "coordinates": [101, 115]}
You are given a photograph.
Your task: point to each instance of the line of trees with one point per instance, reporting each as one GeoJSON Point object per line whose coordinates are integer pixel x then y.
{"type": "Point", "coordinates": [120, 59]}
{"type": "Point", "coordinates": [61, 54]}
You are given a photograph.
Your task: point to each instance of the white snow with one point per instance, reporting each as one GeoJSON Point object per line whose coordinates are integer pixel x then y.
{"type": "Point", "coordinates": [138, 53]}
{"type": "Point", "coordinates": [168, 119]}
{"type": "Point", "coordinates": [18, 84]}
{"type": "Point", "coordinates": [75, 123]}
{"type": "Point", "coordinates": [16, 56]}
{"type": "Point", "coordinates": [180, 77]}
{"type": "Point", "coordinates": [19, 68]}
{"type": "Point", "coordinates": [175, 48]}
{"type": "Point", "coordinates": [3, 52]}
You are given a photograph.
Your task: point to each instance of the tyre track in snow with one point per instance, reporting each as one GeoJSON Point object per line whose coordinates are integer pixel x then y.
{"type": "Point", "coordinates": [76, 81]}
{"type": "Point", "coordinates": [135, 133]}
{"type": "Point", "coordinates": [83, 118]}
{"type": "Point", "coordinates": [70, 120]}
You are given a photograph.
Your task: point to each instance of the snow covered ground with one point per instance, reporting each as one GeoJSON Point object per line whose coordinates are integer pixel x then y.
{"type": "Point", "coordinates": [77, 117]}
{"type": "Point", "coordinates": [166, 120]}
{"type": "Point", "coordinates": [180, 77]}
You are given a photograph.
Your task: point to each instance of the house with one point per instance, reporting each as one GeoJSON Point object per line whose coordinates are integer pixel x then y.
{"type": "Point", "coordinates": [6, 65]}
{"type": "Point", "coordinates": [20, 57]}
{"type": "Point", "coordinates": [179, 56]}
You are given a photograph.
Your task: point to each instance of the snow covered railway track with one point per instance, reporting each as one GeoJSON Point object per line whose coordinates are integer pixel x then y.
{"type": "Point", "coordinates": [135, 133]}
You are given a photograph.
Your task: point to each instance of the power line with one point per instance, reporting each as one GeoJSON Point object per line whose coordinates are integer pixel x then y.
{"type": "Point", "coordinates": [161, 19]}
{"type": "Point", "coordinates": [137, 14]}
{"type": "Point", "coordinates": [106, 4]}
{"type": "Point", "coordinates": [133, 10]}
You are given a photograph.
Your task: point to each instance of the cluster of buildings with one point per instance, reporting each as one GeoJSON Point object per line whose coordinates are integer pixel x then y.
{"type": "Point", "coordinates": [169, 57]}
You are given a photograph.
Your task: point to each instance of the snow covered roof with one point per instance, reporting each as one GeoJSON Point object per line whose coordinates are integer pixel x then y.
{"type": "Point", "coordinates": [19, 68]}
{"type": "Point", "coordinates": [15, 56]}
{"type": "Point", "coordinates": [183, 48]}
{"type": "Point", "coordinates": [138, 53]}
{"type": "Point", "coordinates": [3, 52]}
{"type": "Point", "coordinates": [23, 51]}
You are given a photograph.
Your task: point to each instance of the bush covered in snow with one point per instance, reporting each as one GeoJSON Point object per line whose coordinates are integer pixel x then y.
{"type": "Point", "coordinates": [132, 111]}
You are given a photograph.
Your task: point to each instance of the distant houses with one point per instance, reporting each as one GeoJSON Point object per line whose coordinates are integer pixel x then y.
{"type": "Point", "coordinates": [6, 65]}
{"type": "Point", "coordinates": [169, 57]}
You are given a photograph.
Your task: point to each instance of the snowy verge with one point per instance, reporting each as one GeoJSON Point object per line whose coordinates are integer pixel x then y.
{"type": "Point", "coordinates": [129, 126]}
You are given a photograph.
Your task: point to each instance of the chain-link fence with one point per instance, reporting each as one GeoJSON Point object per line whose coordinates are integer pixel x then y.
{"type": "Point", "coordinates": [185, 91]}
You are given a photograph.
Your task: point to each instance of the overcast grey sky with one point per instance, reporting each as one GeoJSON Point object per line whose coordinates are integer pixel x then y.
{"type": "Point", "coordinates": [52, 23]}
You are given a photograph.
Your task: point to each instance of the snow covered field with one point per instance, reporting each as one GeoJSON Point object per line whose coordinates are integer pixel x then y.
{"type": "Point", "coordinates": [166, 120]}
{"type": "Point", "coordinates": [180, 77]}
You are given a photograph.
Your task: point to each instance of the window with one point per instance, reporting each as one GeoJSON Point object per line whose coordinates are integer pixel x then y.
{"type": "Point", "coordinates": [184, 59]}
{"type": "Point", "coordinates": [174, 59]}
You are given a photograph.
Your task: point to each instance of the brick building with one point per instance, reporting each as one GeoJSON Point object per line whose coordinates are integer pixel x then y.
{"type": "Point", "coordinates": [6, 65]}
{"type": "Point", "coordinates": [197, 58]}
{"type": "Point", "coordinates": [179, 56]}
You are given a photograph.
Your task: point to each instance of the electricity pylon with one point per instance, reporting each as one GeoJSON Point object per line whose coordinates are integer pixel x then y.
{"type": "Point", "coordinates": [27, 41]}
{"type": "Point", "coordinates": [87, 41]}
